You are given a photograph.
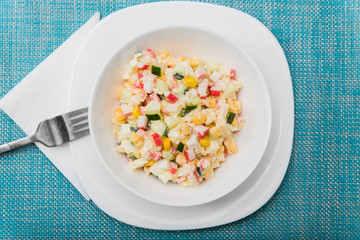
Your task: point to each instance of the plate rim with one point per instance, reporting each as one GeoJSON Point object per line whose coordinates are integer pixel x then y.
{"type": "Point", "coordinates": [284, 62]}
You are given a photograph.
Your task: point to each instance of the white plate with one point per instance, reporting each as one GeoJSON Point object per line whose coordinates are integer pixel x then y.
{"type": "Point", "coordinates": [252, 140]}
{"type": "Point", "coordinates": [258, 41]}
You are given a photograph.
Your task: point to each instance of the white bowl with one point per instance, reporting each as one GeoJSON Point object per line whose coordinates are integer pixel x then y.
{"type": "Point", "coordinates": [251, 141]}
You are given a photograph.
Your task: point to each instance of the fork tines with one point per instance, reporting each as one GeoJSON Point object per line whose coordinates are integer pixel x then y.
{"type": "Point", "coordinates": [77, 123]}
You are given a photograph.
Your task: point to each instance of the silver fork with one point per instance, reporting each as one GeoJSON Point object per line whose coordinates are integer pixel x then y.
{"type": "Point", "coordinates": [55, 131]}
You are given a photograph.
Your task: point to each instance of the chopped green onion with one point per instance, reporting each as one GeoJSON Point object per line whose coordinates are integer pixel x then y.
{"type": "Point", "coordinates": [131, 156]}
{"type": "Point", "coordinates": [134, 129]}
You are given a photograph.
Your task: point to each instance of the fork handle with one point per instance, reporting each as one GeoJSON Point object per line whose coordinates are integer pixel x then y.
{"type": "Point", "coordinates": [17, 143]}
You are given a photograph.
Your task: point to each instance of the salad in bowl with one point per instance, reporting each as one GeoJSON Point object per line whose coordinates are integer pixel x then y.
{"type": "Point", "coordinates": [169, 103]}
{"type": "Point", "coordinates": [176, 117]}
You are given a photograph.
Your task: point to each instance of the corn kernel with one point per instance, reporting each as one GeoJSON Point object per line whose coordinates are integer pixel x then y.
{"type": "Point", "coordinates": [166, 143]}
{"type": "Point", "coordinates": [205, 142]}
{"type": "Point", "coordinates": [164, 54]}
{"type": "Point", "coordinates": [183, 58]}
{"type": "Point", "coordinates": [136, 112]}
{"type": "Point", "coordinates": [215, 132]}
{"type": "Point", "coordinates": [137, 153]}
{"type": "Point", "coordinates": [233, 107]}
{"type": "Point", "coordinates": [212, 102]}
{"type": "Point", "coordinates": [195, 61]}
{"type": "Point", "coordinates": [149, 163]}
{"type": "Point", "coordinates": [185, 129]}
{"type": "Point", "coordinates": [114, 121]}
{"type": "Point", "coordinates": [231, 146]}
{"type": "Point", "coordinates": [134, 138]}
{"type": "Point", "coordinates": [235, 122]}
{"type": "Point", "coordinates": [139, 144]}
{"type": "Point", "coordinates": [119, 92]}
{"type": "Point", "coordinates": [118, 116]}
{"type": "Point", "coordinates": [209, 171]}
{"type": "Point", "coordinates": [190, 82]}
{"type": "Point", "coordinates": [199, 118]}
{"type": "Point", "coordinates": [220, 151]}
{"type": "Point", "coordinates": [180, 159]}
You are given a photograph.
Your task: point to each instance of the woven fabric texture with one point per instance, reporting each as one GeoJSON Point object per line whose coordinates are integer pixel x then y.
{"type": "Point", "coordinates": [320, 195]}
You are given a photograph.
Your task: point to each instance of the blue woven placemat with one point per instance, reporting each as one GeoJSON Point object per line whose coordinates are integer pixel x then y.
{"type": "Point", "coordinates": [320, 195]}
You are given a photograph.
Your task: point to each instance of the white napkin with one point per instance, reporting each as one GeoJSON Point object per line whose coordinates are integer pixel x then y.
{"type": "Point", "coordinates": [43, 94]}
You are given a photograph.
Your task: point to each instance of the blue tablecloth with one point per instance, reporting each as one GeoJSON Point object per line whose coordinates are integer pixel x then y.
{"type": "Point", "coordinates": [320, 195]}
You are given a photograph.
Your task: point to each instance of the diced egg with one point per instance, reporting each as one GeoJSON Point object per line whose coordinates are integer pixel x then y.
{"type": "Point", "coordinates": [127, 146]}
{"type": "Point", "coordinates": [163, 164]}
{"type": "Point", "coordinates": [125, 131]}
{"type": "Point", "coordinates": [148, 87]}
{"type": "Point", "coordinates": [137, 163]}
{"type": "Point", "coordinates": [214, 146]}
{"type": "Point", "coordinates": [165, 176]}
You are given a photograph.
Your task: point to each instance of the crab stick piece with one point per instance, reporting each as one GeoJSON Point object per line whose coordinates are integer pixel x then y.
{"type": "Point", "coordinates": [156, 156]}
{"type": "Point", "coordinates": [157, 139]}
{"type": "Point", "coordinates": [142, 122]}
{"type": "Point", "coordinates": [189, 154]}
{"type": "Point", "coordinates": [126, 109]}
{"type": "Point", "coordinates": [200, 73]}
{"type": "Point", "coordinates": [142, 66]}
{"type": "Point", "coordinates": [214, 91]}
{"type": "Point", "coordinates": [200, 131]}
{"type": "Point", "coordinates": [202, 87]}
{"type": "Point", "coordinates": [172, 98]}
{"type": "Point", "coordinates": [155, 97]}
{"type": "Point", "coordinates": [138, 85]}
{"type": "Point", "coordinates": [173, 167]}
